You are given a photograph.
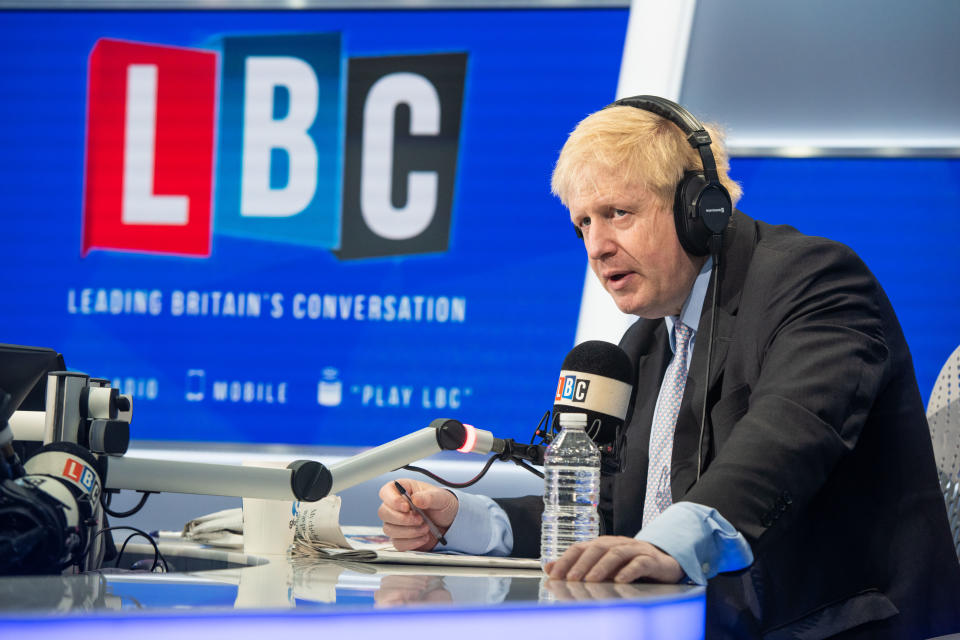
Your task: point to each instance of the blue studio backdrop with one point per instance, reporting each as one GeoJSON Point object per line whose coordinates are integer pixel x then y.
{"type": "Point", "coordinates": [252, 329]}
{"type": "Point", "coordinates": [331, 227]}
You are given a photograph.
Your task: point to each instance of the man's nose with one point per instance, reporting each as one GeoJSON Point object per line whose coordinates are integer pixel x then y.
{"type": "Point", "coordinates": [599, 242]}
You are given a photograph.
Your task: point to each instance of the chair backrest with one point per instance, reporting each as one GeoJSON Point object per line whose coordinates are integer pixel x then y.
{"type": "Point", "coordinates": [943, 414]}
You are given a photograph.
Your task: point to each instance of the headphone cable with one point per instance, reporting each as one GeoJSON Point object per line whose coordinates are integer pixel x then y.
{"type": "Point", "coordinates": [716, 241]}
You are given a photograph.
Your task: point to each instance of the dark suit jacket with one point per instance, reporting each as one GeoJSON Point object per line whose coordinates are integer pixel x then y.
{"type": "Point", "coordinates": [816, 448]}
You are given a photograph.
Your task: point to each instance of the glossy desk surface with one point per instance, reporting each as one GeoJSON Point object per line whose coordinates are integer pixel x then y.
{"type": "Point", "coordinates": [263, 594]}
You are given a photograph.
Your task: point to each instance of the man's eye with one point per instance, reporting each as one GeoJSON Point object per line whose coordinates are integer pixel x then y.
{"type": "Point", "coordinates": [619, 213]}
{"type": "Point", "coordinates": [584, 222]}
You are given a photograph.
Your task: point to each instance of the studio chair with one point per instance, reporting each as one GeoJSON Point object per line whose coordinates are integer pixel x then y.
{"type": "Point", "coordinates": [943, 414]}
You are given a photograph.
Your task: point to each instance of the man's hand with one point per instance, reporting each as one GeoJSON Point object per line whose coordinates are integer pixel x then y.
{"type": "Point", "coordinates": [406, 528]}
{"type": "Point", "coordinates": [615, 558]}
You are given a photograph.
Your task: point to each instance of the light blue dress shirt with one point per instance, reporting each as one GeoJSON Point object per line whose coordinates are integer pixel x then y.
{"type": "Point", "coordinates": [701, 540]}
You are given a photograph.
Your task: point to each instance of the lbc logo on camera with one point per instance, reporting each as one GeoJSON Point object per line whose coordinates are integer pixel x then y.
{"type": "Point", "coordinates": [277, 138]}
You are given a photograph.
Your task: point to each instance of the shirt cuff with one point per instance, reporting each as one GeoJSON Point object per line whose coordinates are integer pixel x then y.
{"type": "Point", "coordinates": [701, 540]}
{"type": "Point", "coordinates": [480, 528]}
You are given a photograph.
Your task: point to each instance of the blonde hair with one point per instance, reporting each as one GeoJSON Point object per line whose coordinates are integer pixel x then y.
{"type": "Point", "coordinates": [642, 148]}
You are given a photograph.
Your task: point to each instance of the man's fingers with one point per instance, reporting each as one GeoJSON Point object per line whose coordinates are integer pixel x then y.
{"type": "Point", "coordinates": [404, 532]}
{"type": "Point", "coordinates": [612, 561]}
{"type": "Point", "coordinates": [658, 567]}
{"type": "Point", "coordinates": [418, 543]}
{"type": "Point", "coordinates": [637, 568]}
{"type": "Point", "coordinates": [558, 568]}
{"type": "Point", "coordinates": [431, 499]}
{"type": "Point", "coordinates": [440, 504]}
{"type": "Point", "coordinates": [416, 490]}
{"type": "Point", "coordinates": [586, 566]}
{"type": "Point", "coordinates": [405, 527]}
{"type": "Point", "coordinates": [390, 515]}
{"type": "Point", "coordinates": [561, 567]}
{"type": "Point", "coordinates": [391, 497]}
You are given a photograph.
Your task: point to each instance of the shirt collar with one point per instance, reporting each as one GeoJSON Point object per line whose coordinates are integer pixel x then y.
{"type": "Point", "coordinates": [693, 305]}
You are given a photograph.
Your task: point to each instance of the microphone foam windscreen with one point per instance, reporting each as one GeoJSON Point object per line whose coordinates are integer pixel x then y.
{"type": "Point", "coordinates": [603, 358]}
{"type": "Point", "coordinates": [596, 377]}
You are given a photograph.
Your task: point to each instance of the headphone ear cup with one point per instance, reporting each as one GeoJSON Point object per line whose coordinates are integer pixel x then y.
{"type": "Point", "coordinates": [701, 209]}
{"type": "Point", "coordinates": [693, 234]}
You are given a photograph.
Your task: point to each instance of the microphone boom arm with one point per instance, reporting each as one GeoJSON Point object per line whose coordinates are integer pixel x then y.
{"type": "Point", "coordinates": [305, 480]}
{"type": "Point", "coordinates": [82, 413]}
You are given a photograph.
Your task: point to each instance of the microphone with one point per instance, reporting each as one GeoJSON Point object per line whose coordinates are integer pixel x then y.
{"type": "Point", "coordinates": [597, 378]}
{"type": "Point", "coordinates": [51, 517]}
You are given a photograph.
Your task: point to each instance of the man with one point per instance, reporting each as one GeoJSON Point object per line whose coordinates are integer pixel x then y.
{"type": "Point", "coordinates": [805, 496]}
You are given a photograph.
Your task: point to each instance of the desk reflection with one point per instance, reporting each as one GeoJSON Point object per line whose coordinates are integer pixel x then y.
{"type": "Point", "coordinates": [283, 583]}
{"type": "Point", "coordinates": [404, 590]}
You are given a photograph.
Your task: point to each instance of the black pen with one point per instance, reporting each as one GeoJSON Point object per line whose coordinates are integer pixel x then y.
{"type": "Point", "coordinates": [434, 531]}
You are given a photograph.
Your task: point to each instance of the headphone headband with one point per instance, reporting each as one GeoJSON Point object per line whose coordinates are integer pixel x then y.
{"type": "Point", "coordinates": [668, 109]}
{"type": "Point", "coordinates": [702, 206]}
{"type": "Point", "coordinates": [697, 135]}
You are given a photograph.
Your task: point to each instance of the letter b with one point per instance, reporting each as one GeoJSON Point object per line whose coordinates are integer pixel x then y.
{"type": "Point", "coordinates": [278, 175]}
{"type": "Point", "coordinates": [266, 77]}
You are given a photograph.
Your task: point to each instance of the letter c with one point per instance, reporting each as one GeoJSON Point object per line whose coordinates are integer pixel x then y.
{"type": "Point", "coordinates": [376, 173]}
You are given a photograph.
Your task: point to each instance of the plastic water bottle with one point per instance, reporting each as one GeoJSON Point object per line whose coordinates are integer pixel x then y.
{"type": "Point", "coordinates": [571, 487]}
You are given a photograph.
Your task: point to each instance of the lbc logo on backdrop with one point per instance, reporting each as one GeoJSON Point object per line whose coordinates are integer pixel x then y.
{"type": "Point", "coordinates": [252, 141]}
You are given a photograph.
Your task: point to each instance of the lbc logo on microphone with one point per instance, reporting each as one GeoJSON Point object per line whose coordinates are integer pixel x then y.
{"type": "Point", "coordinates": [79, 473]}
{"type": "Point", "coordinates": [573, 389]}
{"type": "Point", "coordinates": [277, 138]}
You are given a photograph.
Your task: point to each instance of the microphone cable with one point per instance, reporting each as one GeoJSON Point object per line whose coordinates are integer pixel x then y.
{"type": "Point", "coordinates": [106, 499]}
{"type": "Point", "coordinates": [448, 483]}
{"type": "Point", "coordinates": [545, 437]}
{"type": "Point", "coordinates": [157, 555]}
{"type": "Point", "coordinates": [476, 478]}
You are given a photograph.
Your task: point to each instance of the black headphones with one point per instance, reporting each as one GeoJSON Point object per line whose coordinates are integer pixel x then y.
{"type": "Point", "coordinates": [701, 205]}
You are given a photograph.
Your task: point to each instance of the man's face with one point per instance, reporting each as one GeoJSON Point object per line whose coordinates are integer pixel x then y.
{"type": "Point", "coordinates": [631, 242]}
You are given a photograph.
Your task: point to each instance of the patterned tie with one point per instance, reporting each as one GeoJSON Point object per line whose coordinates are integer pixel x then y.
{"type": "Point", "coordinates": [658, 496]}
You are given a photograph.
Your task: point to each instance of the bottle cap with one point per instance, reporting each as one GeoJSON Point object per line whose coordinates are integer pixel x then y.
{"type": "Point", "coordinates": [573, 420]}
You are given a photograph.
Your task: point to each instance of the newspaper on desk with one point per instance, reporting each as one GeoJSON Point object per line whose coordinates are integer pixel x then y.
{"type": "Point", "coordinates": [318, 534]}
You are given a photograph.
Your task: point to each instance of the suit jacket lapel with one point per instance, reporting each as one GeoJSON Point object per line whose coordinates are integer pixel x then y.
{"type": "Point", "coordinates": [646, 345]}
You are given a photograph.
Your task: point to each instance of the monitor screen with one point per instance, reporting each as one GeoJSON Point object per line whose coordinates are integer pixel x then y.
{"type": "Point", "coordinates": [23, 375]}
{"type": "Point", "coordinates": [305, 227]}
